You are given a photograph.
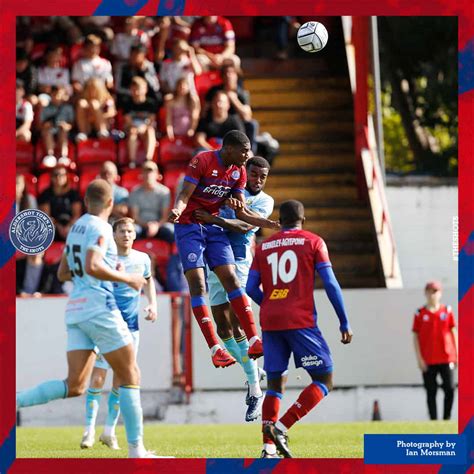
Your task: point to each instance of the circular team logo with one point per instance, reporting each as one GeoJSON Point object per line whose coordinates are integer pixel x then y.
{"type": "Point", "coordinates": [192, 257]}
{"type": "Point", "coordinates": [235, 174]}
{"type": "Point", "coordinates": [31, 231]}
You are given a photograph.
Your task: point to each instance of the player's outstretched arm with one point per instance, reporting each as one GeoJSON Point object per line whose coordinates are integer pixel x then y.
{"type": "Point", "coordinates": [253, 287]}
{"type": "Point", "coordinates": [234, 225]}
{"type": "Point", "coordinates": [247, 215]}
{"type": "Point", "coordinates": [64, 274]}
{"type": "Point", "coordinates": [242, 212]}
{"type": "Point", "coordinates": [333, 290]}
{"type": "Point", "coordinates": [150, 294]}
{"type": "Point", "coordinates": [96, 268]}
{"type": "Point", "coordinates": [181, 201]}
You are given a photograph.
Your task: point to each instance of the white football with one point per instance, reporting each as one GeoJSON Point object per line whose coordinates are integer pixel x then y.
{"type": "Point", "coordinates": [312, 36]}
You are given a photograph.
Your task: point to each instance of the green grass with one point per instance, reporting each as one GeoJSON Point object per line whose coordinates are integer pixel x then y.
{"type": "Point", "coordinates": [325, 440]}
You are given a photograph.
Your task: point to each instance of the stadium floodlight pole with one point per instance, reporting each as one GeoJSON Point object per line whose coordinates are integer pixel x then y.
{"type": "Point", "coordinates": [377, 91]}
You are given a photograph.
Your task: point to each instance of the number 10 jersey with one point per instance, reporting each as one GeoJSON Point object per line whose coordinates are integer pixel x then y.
{"type": "Point", "coordinates": [287, 263]}
{"type": "Point", "coordinates": [90, 296]}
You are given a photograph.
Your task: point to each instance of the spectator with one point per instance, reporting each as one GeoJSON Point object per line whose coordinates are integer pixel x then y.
{"type": "Point", "coordinates": [217, 122]}
{"type": "Point", "coordinates": [95, 110]}
{"type": "Point", "coordinates": [91, 65]}
{"type": "Point", "coordinates": [139, 120]}
{"type": "Point", "coordinates": [96, 25]}
{"type": "Point", "coordinates": [56, 123]}
{"type": "Point", "coordinates": [138, 66]}
{"type": "Point", "coordinates": [131, 36]}
{"type": "Point", "coordinates": [239, 101]}
{"type": "Point", "coordinates": [182, 111]}
{"type": "Point", "coordinates": [52, 74]}
{"type": "Point", "coordinates": [120, 194]}
{"type": "Point", "coordinates": [149, 205]}
{"type": "Point", "coordinates": [24, 114]}
{"type": "Point", "coordinates": [160, 38]}
{"type": "Point", "coordinates": [34, 277]}
{"type": "Point", "coordinates": [183, 63]}
{"type": "Point", "coordinates": [213, 38]}
{"type": "Point", "coordinates": [435, 340]}
{"type": "Point", "coordinates": [24, 200]}
{"type": "Point", "coordinates": [28, 74]}
{"type": "Point", "coordinates": [60, 202]}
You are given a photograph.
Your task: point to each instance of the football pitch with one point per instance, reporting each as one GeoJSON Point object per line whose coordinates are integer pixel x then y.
{"type": "Point", "coordinates": [324, 440]}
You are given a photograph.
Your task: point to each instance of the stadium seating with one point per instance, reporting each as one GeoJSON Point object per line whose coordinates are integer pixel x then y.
{"type": "Point", "coordinates": [31, 182]}
{"type": "Point", "coordinates": [122, 158]}
{"type": "Point", "coordinates": [86, 177]}
{"type": "Point", "coordinates": [160, 250]}
{"type": "Point", "coordinates": [25, 154]}
{"type": "Point", "coordinates": [96, 150]}
{"type": "Point", "coordinates": [53, 253]}
{"type": "Point", "coordinates": [178, 151]}
{"type": "Point", "coordinates": [131, 178]}
{"type": "Point", "coordinates": [205, 81]}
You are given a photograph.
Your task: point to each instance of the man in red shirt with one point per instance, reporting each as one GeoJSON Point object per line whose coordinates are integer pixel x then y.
{"type": "Point", "coordinates": [286, 264]}
{"type": "Point", "coordinates": [213, 38]}
{"type": "Point", "coordinates": [435, 342]}
{"type": "Point", "coordinates": [211, 178]}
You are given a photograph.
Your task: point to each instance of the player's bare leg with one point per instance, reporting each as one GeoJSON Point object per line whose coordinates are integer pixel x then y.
{"type": "Point", "coordinates": [197, 289]}
{"type": "Point", "coordinates": [80, 365]}
{"type": "Point", "coordinates": [241, 307]}
{"type": "Point", "coordinates": [235, 341]}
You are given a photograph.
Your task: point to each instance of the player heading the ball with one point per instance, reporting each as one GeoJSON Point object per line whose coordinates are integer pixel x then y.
{"type": "Point", "coordinates": [212, 177]}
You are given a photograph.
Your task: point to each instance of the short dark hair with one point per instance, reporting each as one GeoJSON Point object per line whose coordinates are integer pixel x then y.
{"type": "Point", "coordinates": [21, 54]}
{"type": "Point", "coordinates": [258, 161]}
{"type": "Point", "coordinates": [98, 193]}
{"type": "Point", "coordinates": [235, 137]}
{"type": "Point", "coordinates": [138, 48]}
{"type": "Point", "coordinates": [122, 221]}
{"type": "Point", "coordinates": [291, 212]}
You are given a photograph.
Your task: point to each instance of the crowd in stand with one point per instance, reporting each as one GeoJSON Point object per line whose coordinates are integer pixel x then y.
{"type": "Point", "coordinates": [117, 97]}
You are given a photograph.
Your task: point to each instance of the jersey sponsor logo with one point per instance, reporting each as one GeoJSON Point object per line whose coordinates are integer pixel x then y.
{"type": "Point", "coordinates": [311, 361]}
{"type": "Point", "coordinates": [443, 316]}
{"type": "Point", "coordinates": [235, 174]}
{"type": "Point", "coordinates": [214, 173]}
{"type": "Point", "coordinates": [217, 190]}
{"type": "Point", "coordinates": [279, 294]}
{"type": "Point", "coordinates": [205, 320]}
{"type": "Point", "coordinates": [192, 257]}
{"type": "Point", "coordinates": [31, 231]}
{"type": "Point", "coordinates": [426, 317]}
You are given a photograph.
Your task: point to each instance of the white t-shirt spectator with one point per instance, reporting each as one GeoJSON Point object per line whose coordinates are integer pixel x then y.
{"type": "Point", "coordinates": [85, 69]}
{"type": "Point", "coordinates": [171, 71]}
{"type": "Point", "coordinates": [123, 42]}
{"type": "Point", "coordinates": [24, 112]}
{"type": "Point", "coordinates": [54, 76]}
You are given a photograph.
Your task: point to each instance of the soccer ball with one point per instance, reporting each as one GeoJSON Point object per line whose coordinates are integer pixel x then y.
{"type": "Point", "coordinates": [312, 36]}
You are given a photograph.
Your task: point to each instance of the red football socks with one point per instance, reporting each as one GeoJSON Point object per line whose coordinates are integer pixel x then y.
{"type": "Point", "coordinates": [243, 310]}
{"type": "Point", "coordinates": [270, 410]}
{"type": "Point", "coordinates": [203, 318]}
{"type": "Point", "coordinates": [307, 400]}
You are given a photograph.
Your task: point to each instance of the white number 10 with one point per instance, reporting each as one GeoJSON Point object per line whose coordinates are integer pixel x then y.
{"type": "Point", "coordinates": [279, 267]}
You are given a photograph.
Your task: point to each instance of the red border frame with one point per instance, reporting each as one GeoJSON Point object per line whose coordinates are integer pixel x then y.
{"type": "Point", "coordinates": [10, 8]}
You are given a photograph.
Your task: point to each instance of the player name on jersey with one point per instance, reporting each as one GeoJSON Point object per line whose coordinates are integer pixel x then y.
{"type": "Point", "coordinates": [287, 242]}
